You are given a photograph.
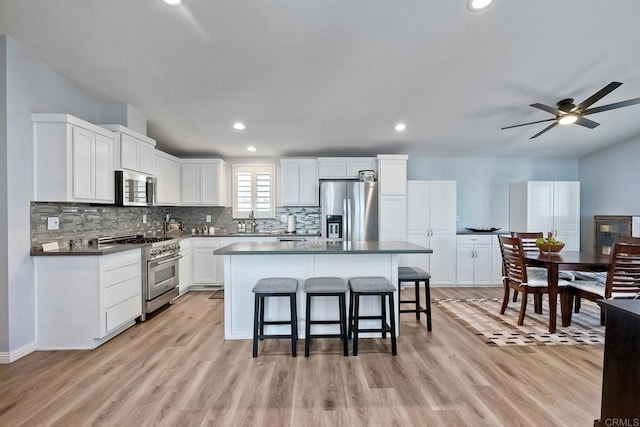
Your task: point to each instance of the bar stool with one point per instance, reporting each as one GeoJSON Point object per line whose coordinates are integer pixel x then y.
{"type": "Point", "coordinates": [326, 287]}
{"type": "Point", "coordinates": [373, 286]}
{"type": "Point", "coordinates": [416, 275]}
{"type": "Point", "coordinates": [274, 287]}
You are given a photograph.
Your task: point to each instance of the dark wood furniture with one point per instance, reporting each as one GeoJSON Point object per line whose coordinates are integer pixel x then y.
{"type": "Point", "coordinates": [416, 275]}
{"type": "Point", "coordinates": [272, 287]}
{"type": "Point", "coordinates": [326, 287]}
{"type": "Point", "coordinates": [621, 370]}
{"type": "Point", "coordinates": [514, 270]}
{"type": "Point", "coordinates": [528, 244]}
{"type": "Point", "coordinates": [372, 286]}
{"type": "Point", "coordinates": [623, 277]}
{"type": "Point", "coordinates": [565, 260]}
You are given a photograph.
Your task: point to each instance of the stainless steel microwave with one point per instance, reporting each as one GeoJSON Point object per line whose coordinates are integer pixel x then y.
{"type": "Point", "coordinates": [133, 189]}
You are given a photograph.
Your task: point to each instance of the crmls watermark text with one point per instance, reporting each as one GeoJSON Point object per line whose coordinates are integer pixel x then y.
{"type": "Point", "coordinates": [622, 422]}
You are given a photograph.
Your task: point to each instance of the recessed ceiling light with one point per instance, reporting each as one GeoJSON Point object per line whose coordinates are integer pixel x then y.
{"type": "Point", "coordinates": [172, 2]}
{"type": "Point", "coordinates": [239, 126]}
{"type": "Point", "coordinates": [400, 127]}
{"type": "Point", "coordinates": [476, 5]}
{"type": "Point", "coordinates": [251, 148]}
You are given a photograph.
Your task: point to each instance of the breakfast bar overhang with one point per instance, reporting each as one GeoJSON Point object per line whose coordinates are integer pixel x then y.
{"type": "Point", "coordinates": [247, 262]}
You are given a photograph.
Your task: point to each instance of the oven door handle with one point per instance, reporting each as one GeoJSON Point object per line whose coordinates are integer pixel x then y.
{"type": "Point", "coordinates": [167, 260]}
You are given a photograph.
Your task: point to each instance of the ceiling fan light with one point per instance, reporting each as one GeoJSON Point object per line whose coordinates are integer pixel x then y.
{"type": "Point", "coordinates": [172, 2]}
{"type": "Point", "coordinates": [567, 119]}
{"type": "Point", "coordinates": [476, 5]}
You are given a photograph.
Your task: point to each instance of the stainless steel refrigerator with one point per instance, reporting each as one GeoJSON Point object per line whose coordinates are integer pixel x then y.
{"type": "Point", "coordinates": [349, 210]}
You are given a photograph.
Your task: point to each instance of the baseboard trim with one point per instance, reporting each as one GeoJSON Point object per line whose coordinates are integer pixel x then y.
{"type": "Point", "coordinates": [10, 357]}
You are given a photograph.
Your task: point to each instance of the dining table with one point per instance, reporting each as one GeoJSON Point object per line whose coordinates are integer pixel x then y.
{"type": "Point", "coordinates": [564, 260]}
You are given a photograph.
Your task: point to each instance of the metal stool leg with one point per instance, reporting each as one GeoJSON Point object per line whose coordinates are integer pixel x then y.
{"type": "Point", "coordinates": [356, 317]}
{"type": "Point", "coordinates": [384, 315]}
{"type": "Point", "coordinates": [343, 324]}
{"type": "Point", "coordinates": [417, 286]}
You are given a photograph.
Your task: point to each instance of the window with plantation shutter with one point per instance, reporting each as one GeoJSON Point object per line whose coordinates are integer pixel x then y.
{"type": "Point", "coordinates": [253, 191]}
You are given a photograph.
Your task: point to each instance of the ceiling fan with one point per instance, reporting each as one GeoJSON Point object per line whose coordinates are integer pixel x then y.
{"type": "Point", "coordinates": [567, 112]}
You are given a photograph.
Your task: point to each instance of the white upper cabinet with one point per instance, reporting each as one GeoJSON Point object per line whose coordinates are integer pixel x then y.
{"type": "Point", "coordinates": [167, 173]}
{"type": "Point", "coordinates": [392, 203]}
{"type": "Point", "coordinates": [203, 182]}
{"type": "Point", "coordinates": [299, 182]}
{"type": "Point", "coordinates": [547, 206]}
{"type": "Point", "coordinates": [134, 151]}
{"type": "Point", "coordinates": [392, 174]}
{"type": "Point", "coordinates": [344, 167]}
{"type": "Point", "coordinates": [73, 160]}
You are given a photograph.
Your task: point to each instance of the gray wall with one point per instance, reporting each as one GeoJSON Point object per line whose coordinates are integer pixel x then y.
{"type": "Point", "coordinates": [483, 183]}
{"type": "Point", "coordinates": [32, 86]}
{"type": "Point", "coordinates": [609, 184]}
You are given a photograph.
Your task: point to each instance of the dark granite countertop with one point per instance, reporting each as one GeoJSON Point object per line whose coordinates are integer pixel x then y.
{"type": "Point", "coordinates": [297, 248]}
{"type": "Point", "coordinates": [274, 235]}
{"type": "Point", "coordinates": [497, 232]}
{"type": "Point", "coordinates": [91, 250]}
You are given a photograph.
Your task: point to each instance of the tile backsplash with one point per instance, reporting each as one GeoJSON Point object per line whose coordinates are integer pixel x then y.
{"type": "Point", "coordinates": [89, 221]}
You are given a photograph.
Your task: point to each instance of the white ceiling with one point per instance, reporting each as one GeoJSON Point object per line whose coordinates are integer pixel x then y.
{"type": "Point", "coordinates": [332, 77]}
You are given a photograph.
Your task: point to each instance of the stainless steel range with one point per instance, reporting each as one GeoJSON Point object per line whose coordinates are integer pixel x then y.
{"type": "Point", "coordinates": [160, 269]}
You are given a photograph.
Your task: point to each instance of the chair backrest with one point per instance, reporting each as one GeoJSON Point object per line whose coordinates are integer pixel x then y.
{"type": "Point", "coordinates": [629, 239]}
{"type": "Point", "coordinates": [623, 278]}
{"type": "Point", "coordinates": [528, 239]}
{"type": "Point", "coordinates": [513, 266]}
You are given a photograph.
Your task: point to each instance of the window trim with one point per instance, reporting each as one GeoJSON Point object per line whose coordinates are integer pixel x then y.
{"type": "Point", "coordinates": [253, 169]}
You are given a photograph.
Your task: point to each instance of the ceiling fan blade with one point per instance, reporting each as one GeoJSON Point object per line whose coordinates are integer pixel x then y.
{"type": "Point", "coordinates": [586, 123]}
{"type": "Point", "coordinates": [597, 96]}
{"type": "Point", "coordinates": [612, 106]}
{"type": "Point", "coordinates": [526, 124]}
{"type": "Point", "coordinates": [552, 110]}
{"type": "Point", "coordinates": [544, 130]}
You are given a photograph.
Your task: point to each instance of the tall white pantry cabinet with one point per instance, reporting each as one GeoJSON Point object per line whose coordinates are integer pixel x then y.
{"type": "Point", "coordinates": [547, 206]}
{"type": "Point", "coordinates": [431, 222]}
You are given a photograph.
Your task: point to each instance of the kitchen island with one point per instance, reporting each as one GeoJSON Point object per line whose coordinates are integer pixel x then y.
{"type": "Point", "coordinates": [247, 262]}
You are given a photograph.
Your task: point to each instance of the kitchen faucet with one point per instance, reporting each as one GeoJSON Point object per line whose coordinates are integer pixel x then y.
{"type": "Point", "coordinates": [253, 222]}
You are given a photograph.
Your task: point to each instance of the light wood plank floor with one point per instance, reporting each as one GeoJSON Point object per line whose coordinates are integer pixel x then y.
{"type": "Point", "coordinates": [176, 369]}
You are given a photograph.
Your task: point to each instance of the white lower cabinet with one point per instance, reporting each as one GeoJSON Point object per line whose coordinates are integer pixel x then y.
{"type": "Point", "coordinates": [83, 301]}
{"type": "Point", "coordinates": [496, 261]}
{"type": "Point", "coordinates": [207, 270]}
{"type": "Point", "coordinates": [473, 257]}
{"type": "Point", "coordinates": [185, 267]}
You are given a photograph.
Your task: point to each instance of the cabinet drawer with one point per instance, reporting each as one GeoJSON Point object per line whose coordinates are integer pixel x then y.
{"type": "Point", "coordinates": [472, 239]}
{"type": "Point", "coordinates": [111, 262]}
{"type": "Point", "coordinates": [205, 242]}
{"type": "Point", "coordinates": [122, 291]}
{"type": "Point", "coordinates": [123, 312]}
{"type": "Point", "coordinates": [121, 274]}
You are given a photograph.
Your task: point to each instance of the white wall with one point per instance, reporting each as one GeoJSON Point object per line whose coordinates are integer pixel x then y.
{"type": "Point", "coordinates": [483, 183]}
{"type": "Point", "coordinates": [32, 86]}
{"type": "Point", "coordinates": [609, 185]}
{"type": "Point", "coordinates": [4, 289]}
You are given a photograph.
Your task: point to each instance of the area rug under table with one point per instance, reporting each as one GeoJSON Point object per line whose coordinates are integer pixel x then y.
{"type": "Point", "coordinates": [482, 317]}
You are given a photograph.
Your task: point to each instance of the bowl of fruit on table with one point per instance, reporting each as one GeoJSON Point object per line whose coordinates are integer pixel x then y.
{"type": "Point", "coordinates": [549, 245]}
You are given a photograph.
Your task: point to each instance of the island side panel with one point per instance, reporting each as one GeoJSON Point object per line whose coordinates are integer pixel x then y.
{"type": "Point", "coordinates": [243, 271]}
{"type": "Point", "coordinates": [241, 274]}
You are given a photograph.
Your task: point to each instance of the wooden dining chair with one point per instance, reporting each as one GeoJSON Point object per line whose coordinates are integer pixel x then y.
{"type": "Point", "coordinates": [514, 271]}
{"type": "Point", "coordinates": [623, 277]}
{"type": "Point", "coordinates": [528, 239]}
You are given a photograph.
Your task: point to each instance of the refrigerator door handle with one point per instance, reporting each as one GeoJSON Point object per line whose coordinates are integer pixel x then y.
{"type": "Point", "coordinates": [348, 212]}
